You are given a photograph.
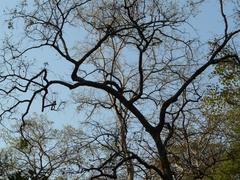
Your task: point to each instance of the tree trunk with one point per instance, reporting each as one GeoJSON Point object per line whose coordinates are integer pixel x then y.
{"type": "Point", "coordinates": [123, 145]}
{"type": "Point", "coordinates": [165, 165]}
{"type": "Point", "coordinates": [129, 164]}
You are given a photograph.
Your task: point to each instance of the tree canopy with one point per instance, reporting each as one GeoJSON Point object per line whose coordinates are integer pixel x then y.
{"type": "Point", "coordinates": [137, 75]}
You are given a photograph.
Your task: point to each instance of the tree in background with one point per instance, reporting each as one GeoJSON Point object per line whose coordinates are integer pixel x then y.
{"type": "Point", "coordinates": [222, 110]}
{"type": "Point", "coordinates": [43, 151]}
{"type": "Point", "coordinates": [134, 71]}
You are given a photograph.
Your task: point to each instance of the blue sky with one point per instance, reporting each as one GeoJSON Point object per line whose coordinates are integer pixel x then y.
{"type": "Point", "coordinates": [207, 24]}
{"type": "Point", "coordinates": [43, 55]}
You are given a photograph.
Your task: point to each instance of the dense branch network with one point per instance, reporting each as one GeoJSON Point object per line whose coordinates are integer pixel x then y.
{"type": "Point", "coordinates": [138, 58]}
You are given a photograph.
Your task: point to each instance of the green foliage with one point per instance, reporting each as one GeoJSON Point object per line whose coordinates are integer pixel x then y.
{"type": "Point", "coordinates": [22, 144]}
{"type": "Point", "coordinates": [17, 176]}
{"type": "Point", "coordinates": [222, 108]}
{"type": "Point", "coordinates": [40, 150]}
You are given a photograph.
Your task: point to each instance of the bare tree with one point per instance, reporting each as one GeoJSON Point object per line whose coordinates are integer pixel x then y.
{"type": "Point", "coordinates": [139, 65]}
